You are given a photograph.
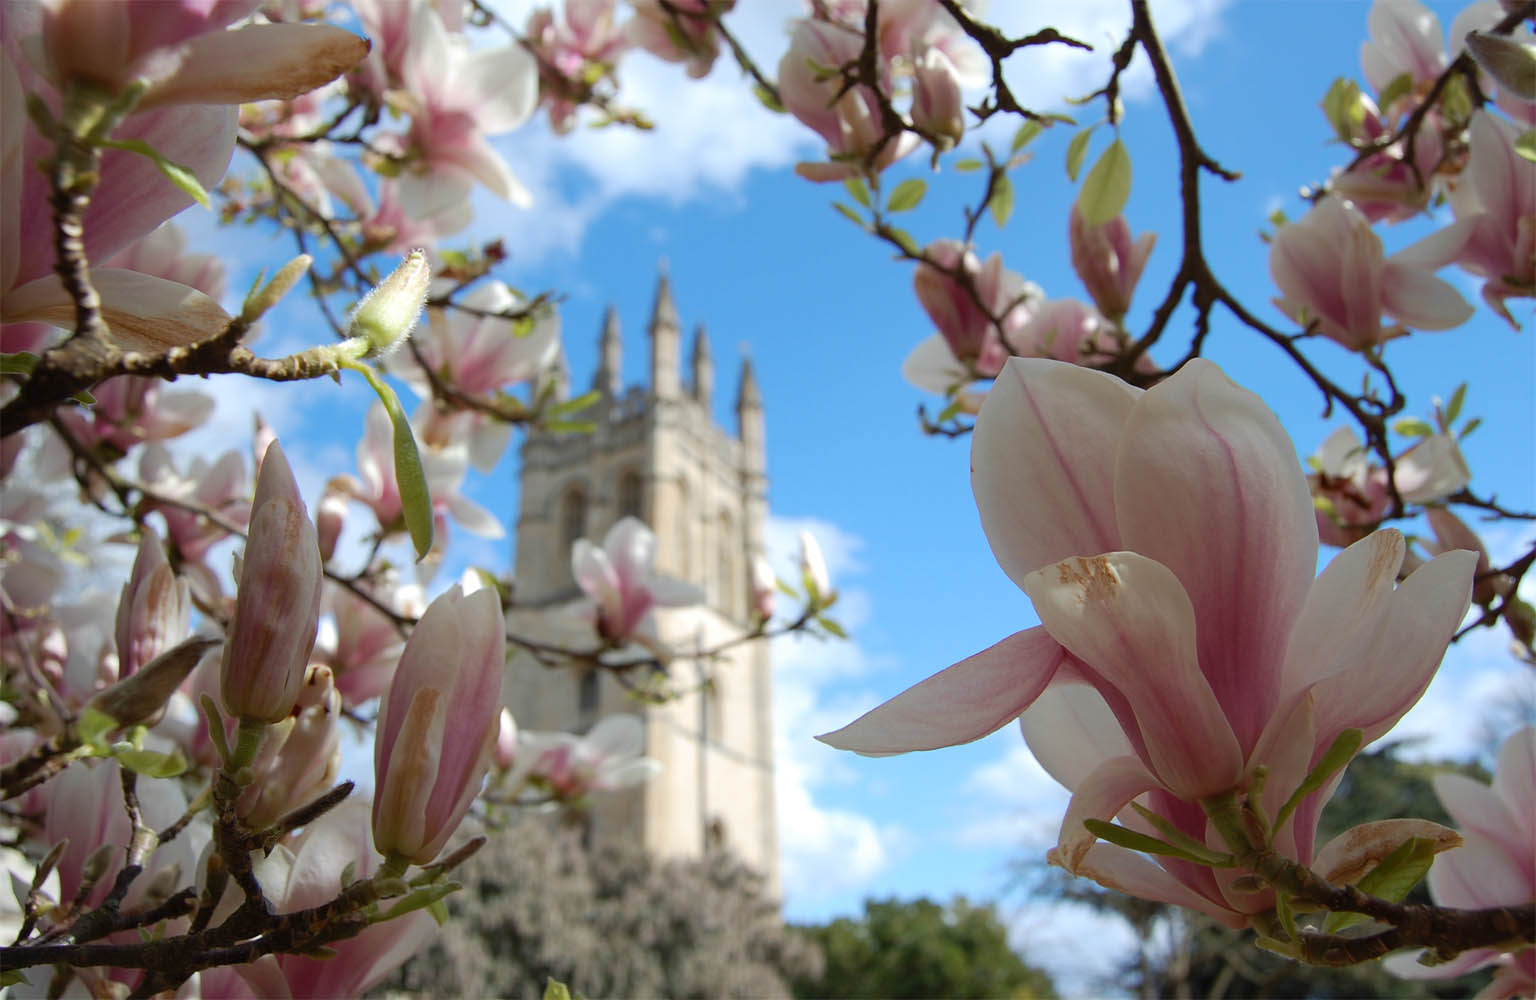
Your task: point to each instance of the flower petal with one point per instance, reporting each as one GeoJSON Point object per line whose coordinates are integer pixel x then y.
{"type": "Point", "coordinates": [1479, 874]}
{"type": "Point", "coordinates": [259, 62]}
{"type": "Point", "coordinates": [1345, 859]}
{"type": "Point", "coordinates": [1128, 619]}
{"type": "Point", "coordinates": [1101, 795]}
{"type": "Point", "coordinates": [1207, 483]}
{"type": "Point", "coordinates": [1040, 463]}
{"type": "Point", "coordinates": [973, 698]}
{"type": "Point", "coordinates": [932, 366]}
{"type": "Point", "coordinates": [1420, 300]}
{"type": "Point", "coordinates": [1071, 730]}
{"type": "Point", "coordinates": [1345, 610]}
{"type": "Point", "coordinates": [145, 313]}
{"type": "Point", "coordinates": [1128, 872]}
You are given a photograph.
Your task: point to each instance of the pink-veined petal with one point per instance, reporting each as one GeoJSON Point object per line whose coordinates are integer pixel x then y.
{"type": "Point", "coordinates": [1041, 463]}
{"type": "Point", "coordinates": [1420, 300]}
{"type": "Point", "coordinates": [592, 571]}
{"type": "Point", "coordinates": [1128, 618]}
{"type": "Point", "coordinates": [475, 518]}
{"type": "Point", "coordinates": [258, 62]}
{"type": "Point", "coordinates": [1480, 874]}
{"type": "Point", "coordinates": [1344, 611]}
{"type": "Point", "coordinates": [1374, 692]}
{"type": "Point", "coordinates": [1206, 483]}
{"type": "Point", "coordinates": [973, 698]}
{"type": "Point", "coordinates": [631, 548]}
{"type": "Point", "coordinates": [1514, 780]}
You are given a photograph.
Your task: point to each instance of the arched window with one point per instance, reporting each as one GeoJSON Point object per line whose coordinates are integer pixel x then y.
{"type": "Point", "coordinates": [728, 582]}
{"type": "Point", "coordinates": [630, 495]}
{"type": "Point", "coordinates": [588, 692]}
{"type": "Point", "coordinates": [573, 525]}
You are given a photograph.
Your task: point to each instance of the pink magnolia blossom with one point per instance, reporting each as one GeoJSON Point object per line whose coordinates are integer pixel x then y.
{"type": "Point", "coordinates": [220, 486]}
{"type": "Point", "coordinates": [131, 410]}
{"type": "Point", "coordinates": [689, 37]}
{"type": "Point", "coordinates": [457, 97]}
{"type": "Point", "coordinates": [619, 581]}
{"type": "Point", "coordinates": [1072, 331]}
{"type": "Point", "coordinates": [437, 724]}
{"type": "Point", "coordinates": [571, 767]}
{"type": "Point", "coordinates": [1167, 541]}
{"type": "Point", "coordinates": [965, 323]}
{"type": "Point", "coordinates": [304, 873]}
{"type": "Point", "coordinates": [1385, 186]}
{"type": "Point", "coordinates": [1431, 470]}
{"type": "Point", "coordinates": [765, 585]}
{"type": "Point", "coordinates": [1495, 867]}
{"type": "Point", "coordinates": [937, 105]}
{"type": "Point", "coordinates": [1350, 496]}
{"type": "Point", "coordinates": [358, 642]}
{"type": "Point", "coordinates": [277, 607]}
{"type": "Point", "coordinates": [1405, 39]}
{"type": "Point", "coordinates": [300, 755]}
{"type": "Point", "coordinates": [1332, 271]}
{"type": "Point", "coordinates": [155, 610]}
{"type": "Point", "coordinates": [1495, 205]}
{"type": "Point", "coordinates": [1108, 261]}
{"type": "Point", "coordinates": [813, 570]}
{"type": "Point", "coordinates": [574, 50]}
{"type": "Point", "coordinates": [850, 124]}
{"type": "Point", "coordinates": [387, 23]}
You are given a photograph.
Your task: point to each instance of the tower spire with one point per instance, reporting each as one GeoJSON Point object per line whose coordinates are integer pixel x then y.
{"type": "Point", "coordinates": [703, 367]}
{"type": "Point", "coordinates": [609, 378]}
{"type": "Point", "coordinates": [666, 378]}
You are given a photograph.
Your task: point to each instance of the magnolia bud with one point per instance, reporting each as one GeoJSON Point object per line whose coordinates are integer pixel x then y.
{"type": "Point", "coordinates": [764, 583]}
{"type": "Point", "coordinates": [1511, 62]}
{"type": "Point", "coordinates": [155, 609]}
{"type": "Point", "coordinates": [270, 294]}
{"type": "Point", "coordinates": [387, 314]}
{"type": "Point", "coordinates": [506, 741]}
{"type": "Point", "coordinates": [937, 107]}
{"type": "Point", "coordinates": [1107, 260]}
{"type": "Point", "coordinates": [277, 608]}
{"type": "Point", "coordinates": [813, 569]}
{"type": "Point", "coordinates": [331, 515]}
{"type": "Point", "coordinates": [437, 728]}
{"type": "Point", "coordinates": [300, 756]}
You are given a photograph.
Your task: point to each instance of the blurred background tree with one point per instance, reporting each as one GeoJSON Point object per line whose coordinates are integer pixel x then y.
{"type": "Point", "coordinates": [919, 949]}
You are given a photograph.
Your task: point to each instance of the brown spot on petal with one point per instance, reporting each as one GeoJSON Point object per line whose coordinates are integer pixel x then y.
{"type": "Point", "coordinates": [1094, 577]}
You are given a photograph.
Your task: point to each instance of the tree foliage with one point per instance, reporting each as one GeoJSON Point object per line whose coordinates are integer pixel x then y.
{"type": "Point", "coordinates": [608, 922]}
{"type": "Point", "coordinates": [920, 949]}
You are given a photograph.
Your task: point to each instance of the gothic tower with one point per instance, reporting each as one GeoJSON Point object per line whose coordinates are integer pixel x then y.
{"type": "Point", "coordinates": [657, 454]}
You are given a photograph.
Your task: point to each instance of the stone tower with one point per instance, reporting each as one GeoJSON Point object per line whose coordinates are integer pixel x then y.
{"type": "Point", "coordinates": [657, 454]}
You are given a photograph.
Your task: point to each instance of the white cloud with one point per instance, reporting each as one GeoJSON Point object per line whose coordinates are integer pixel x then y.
{"type": "Point", "coordinates": [1015, 802]}
{"type": "Point", "coordinates": [824, 849]}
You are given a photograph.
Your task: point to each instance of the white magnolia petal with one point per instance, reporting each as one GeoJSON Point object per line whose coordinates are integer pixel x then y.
{"type": "Point", "coordinates": [1101, 795]}
{"type": "Point", "coordinates": [1420, 300]}
{"type": "Point", "coordinates": [1431, 470]}
{"type": "Point", "coordinates": [1124, 871]}
{"type": "Point", "coordinates": [475, 519]}
{"type": "Point", "coordinates": [259, 62]}
{"type": "Point", "coordinates": [1127, 618]}
{"type": "Point", "coordinates": [1480, 874]}
{"type": "Point", "coordinates": [1071, 730]}
{"type": "Point", "coordinates": [1346, 858]}
{"type": "Point", "coordinates": [964, 702]}
{"type": "Point", "coordinates": [592, 571]}
{"type": "Point", "coordinates": [1040, 463]}
{"type": "Point", "coordinates": [617, 736]}
{"type": "Point", "coordinates": [634, 771]}
{"type": "Point", "coordinates": [631, 548]}
{"type": "Point", "coordinates": [1514, 780]}
{"type": "Point", "coordinates": [144, 313]}
{"type": "Point", "coordinates": [1345, 610]}
{"type": "Point", "coordinates": [933, 367]}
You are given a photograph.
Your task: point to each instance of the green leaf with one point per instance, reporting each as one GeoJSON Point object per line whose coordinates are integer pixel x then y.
{"type": "Point", "coordinates": [1343, 108]}
{"type": "Point", "coordinates": [1392, 879]}
{"type": "Point", "coordinates": [1107, 187]}
{"type": "Point", "coordinates": [173, 171]}
{"type": "Point", "coordinates": [10, 977]}
{"type": "Point", "coordinates": [1525, 145]}
{"type": "Point", "coordinates": [858, 189]}
{"type": "Point", "coordinates": [1340, 753]}
{"type": "Point", "coordinates": [93, 725]}
{"type": "Point", "coordinates": [1453, 408]}
{"type": "Point", "coordinates": [570, 426]}
{"type": "Point", "coordinates": [439, 911]}
{"type": "Point", "coordinates": [575, 405]}
{"type": "Point", "coordinates": [831, 626]}
{"type": "Point", "coordinates": [1285, 916]}
{"type": "Point", "coordinates": [84, 398]}
{"type": "Point", "coordinates": [1026, 134]}
{"type": "Point", "coordinates": [1077, 151]}
{"type": "Point", "coordinates": [1001, 202]}
{"type": "Point", "coordinates": [418, 899]}
{"type": "Point", "coordinates": [1400, 86]}
{"type": "Point", "coordinates": [765, 96]}
{"type": "Point", "coordinates": [849, 213]}
{"type": "Point", "coordinates": [967, 165]}
{"type": "Point", "coordinates": [152, 764]}
{"type": "Point", "coordinates": [1413, 427]}
{"type": "Point", "coordinates": [907, 196]}
{"type": "Point", "coordinates": [20, 363]}
{"type": "Point", "coordinates": [1135, 841]}
{"type": "Point", "coordinates": [1471, 425]}
{"type": "Point", "coordinates": [556, 990]}
{"type": "Point", "coordinates": [902, 239]}
{"type": "Point", "coordinates": [410, 478]}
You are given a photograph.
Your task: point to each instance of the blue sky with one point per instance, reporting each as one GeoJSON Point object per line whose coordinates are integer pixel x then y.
{"type": "Point", "coordinates": [760, 257]}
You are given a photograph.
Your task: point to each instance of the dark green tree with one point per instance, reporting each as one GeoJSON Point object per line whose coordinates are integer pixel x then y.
{"type": "Point", "coordinates": [920, 949]}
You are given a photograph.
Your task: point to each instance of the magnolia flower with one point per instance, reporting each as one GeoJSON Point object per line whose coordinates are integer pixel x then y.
{"type": "Point", "coordinates": [964, 315]}
{"type": "Point", "coordinates": [1332, 272]}
{"type": "Point", "coordinates": [155, 609]}
{"type": "Point", "coordinates": [1452, 533]}
{"type": "Point", "coordinates": [457, 97]}
{"type": "Point", "coordinates": [1405, 39]}
{"type": "Point", "coordinates": [605, 759]}
{"type": "Point", "coordinates": [131, 410]}
{"type": "Point", "coordinates": [359, 643]}
{"type": "Point", "coordinates": [1494, 235]}
{"type": "Point", "coordinates": [620, 583]}
{"type": "Point", "coordinates": [686, 36]}
{"type": "Point", "coordinates": [1167, 541]}
{"type": "Point", "coordinates": [847, 119]}
{"type": "Point", "coordinates": [1107, 260]}
{"type": "Point", "coordinates": [1350, 495]}
{"type": "Point", "coordinates": [1496, 866]}
{"type": "Point", "coordinates": [575, 50]}
{"type": "Point", "coordinates": [302, 873]}
{"type": "Point", "coordinates": [437, 724]}
{"type": "Point", "coordinates": [813, 569]}
{"type": "Point", "coordinates": [1431, 470]}
{"type": "Point", "coordinates": [277, 607]}
{"type": "Point", "coordinates": [300, 755]}
{"type": "Point", "coordinates": [1385, 186]}
{"type": "Point", "coordinates": [219, 486]}
{"type": "Point", "coordinates": [764, 585]}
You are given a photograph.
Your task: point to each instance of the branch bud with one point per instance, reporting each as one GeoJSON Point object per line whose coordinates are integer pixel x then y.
{"type": "Point", "coordinates": [387, 314]}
